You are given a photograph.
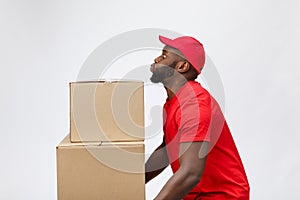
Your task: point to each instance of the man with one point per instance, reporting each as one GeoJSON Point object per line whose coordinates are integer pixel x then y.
{"type": "Point", "coordinates": [197, 141]}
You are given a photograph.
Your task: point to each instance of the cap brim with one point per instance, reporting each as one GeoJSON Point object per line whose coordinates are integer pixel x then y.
{"type": "Point", "coordinates": [167, 41]}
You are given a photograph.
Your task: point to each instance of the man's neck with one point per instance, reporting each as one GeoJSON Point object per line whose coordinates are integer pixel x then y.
{"type": "Point", "coordinates": [172, 87]}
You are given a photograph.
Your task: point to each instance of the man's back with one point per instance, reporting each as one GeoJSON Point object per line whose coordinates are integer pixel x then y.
{"type": "Point", "coordinates": [224, 176]}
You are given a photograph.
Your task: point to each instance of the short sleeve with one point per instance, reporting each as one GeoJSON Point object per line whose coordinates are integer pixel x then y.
{"type": "Point", "coordinates": [194, 118]}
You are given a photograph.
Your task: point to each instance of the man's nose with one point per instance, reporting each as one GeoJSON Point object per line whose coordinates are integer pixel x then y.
{"type": "Point", "coordinates": [156, 60]}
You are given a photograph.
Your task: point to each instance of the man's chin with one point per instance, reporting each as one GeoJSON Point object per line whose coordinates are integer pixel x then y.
{"type": "Point", "coordinates": [155, 80]}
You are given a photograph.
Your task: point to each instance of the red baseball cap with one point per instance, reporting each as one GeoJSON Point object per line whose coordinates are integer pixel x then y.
{"type": "Point", "coordinates": [191, 48]}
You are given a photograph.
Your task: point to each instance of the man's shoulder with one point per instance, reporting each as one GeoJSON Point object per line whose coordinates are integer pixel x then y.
{"type": "Point", "coordinates": [198, 89]}
{"type": "Point", "coordinates": [193, 93]}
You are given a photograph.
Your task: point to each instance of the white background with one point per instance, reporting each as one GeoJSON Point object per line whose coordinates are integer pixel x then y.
{"type": "Point", "coordinates": [254, 45]}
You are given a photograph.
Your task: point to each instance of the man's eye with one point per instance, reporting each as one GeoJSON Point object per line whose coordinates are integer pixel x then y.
{"type": "Point", "coordinates": [164, 56]}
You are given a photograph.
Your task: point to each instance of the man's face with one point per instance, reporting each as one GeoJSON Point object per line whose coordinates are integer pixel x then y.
{"type": "Point", "coordinates": [164, 65]}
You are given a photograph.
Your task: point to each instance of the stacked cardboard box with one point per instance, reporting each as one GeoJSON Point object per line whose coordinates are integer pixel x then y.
{"type": "Point", "coordinates": [103, 156]}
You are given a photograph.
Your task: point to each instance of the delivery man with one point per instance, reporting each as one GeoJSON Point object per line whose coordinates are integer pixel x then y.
{"type": "Point", "coordinates": [197, 142]}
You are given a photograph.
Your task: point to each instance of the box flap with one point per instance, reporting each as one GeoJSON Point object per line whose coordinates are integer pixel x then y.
{"type": "Point", "coordinates": [67, 143]}
{"type": "Point", "coordinates": [108, 81]}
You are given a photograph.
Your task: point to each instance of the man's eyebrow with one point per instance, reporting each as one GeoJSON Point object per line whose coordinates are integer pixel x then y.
{"type": "Point", "coordinates": [164, 51]}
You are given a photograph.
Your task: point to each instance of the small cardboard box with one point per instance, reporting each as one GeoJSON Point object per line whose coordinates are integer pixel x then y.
{"type": "Point", "coordinates": [106, 111]}
{"type": "Point", "coordinates": [102, 170]}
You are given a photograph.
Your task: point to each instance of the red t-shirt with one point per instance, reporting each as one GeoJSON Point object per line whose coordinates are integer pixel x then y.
{"type": "Point", "coordinates": [194, 115]}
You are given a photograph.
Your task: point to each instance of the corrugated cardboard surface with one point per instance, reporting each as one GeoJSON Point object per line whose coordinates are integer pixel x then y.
{"type": "Point", "coordinates": [106, 111]}
{"type": "Point", "coordinates": [81, 176]}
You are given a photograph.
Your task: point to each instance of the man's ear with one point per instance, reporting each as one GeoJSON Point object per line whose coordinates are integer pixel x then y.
{"type": "Point", "coordinates": [183, 66]}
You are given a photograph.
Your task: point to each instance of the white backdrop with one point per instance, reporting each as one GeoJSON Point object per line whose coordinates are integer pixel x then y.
{"type": "Point", "coordinates": [253, 44]}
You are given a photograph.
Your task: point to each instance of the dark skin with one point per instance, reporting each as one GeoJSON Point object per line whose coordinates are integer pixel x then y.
{"type": "Point", "coordinates": [193, 154]}
{"type": "Point", "coordinates": [157, 162]}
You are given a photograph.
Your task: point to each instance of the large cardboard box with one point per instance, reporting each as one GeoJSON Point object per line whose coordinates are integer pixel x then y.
{"type": "Point", "coordinates": [102, 170]}
{"type": "Point", "coordinates": [107, 111]}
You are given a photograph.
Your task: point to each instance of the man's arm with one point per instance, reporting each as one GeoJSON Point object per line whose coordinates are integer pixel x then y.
{"type": "Point", "coordinates": [157, 162]}
{"type": "Point", "coordinates": [192, 163]}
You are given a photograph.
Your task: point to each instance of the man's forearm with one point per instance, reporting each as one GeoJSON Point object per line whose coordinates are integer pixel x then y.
{"type": "Point", "coordinates": [192, 163]}
{"type": "Point", "coordinates": [157, 162]}
{"type": "Point", "coordinates": [178, 186]}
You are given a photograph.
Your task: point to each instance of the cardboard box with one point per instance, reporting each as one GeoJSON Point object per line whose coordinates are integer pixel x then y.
{"type": "Point", "coordinates": [107, 111]}
{"type": "Point", "coordinates": [103, 170]}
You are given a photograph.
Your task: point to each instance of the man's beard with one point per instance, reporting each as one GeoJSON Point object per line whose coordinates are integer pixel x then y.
{"type": "Point", "coordinates": [162, 73]}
